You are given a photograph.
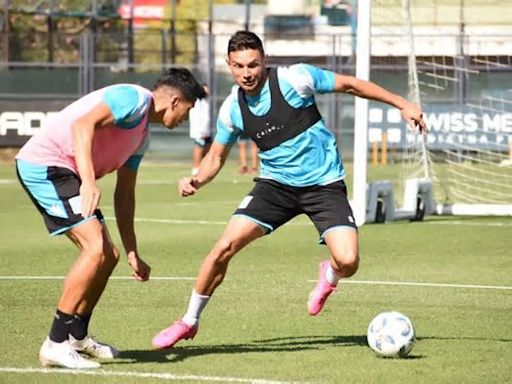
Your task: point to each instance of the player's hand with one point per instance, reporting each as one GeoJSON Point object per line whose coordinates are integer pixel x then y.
{"type": "Point", "coordinates": [414, 117]}
{"type": "Point", "coordinates": [90, 198]}
{"type": "Point", "coordinates": [140, 270]}
{"type": "Point", "coordinates": [187, 186]}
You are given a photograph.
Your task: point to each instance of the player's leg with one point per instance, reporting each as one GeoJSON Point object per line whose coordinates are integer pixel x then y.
{"type": "Point", "coordinates": [343, 244]}
{"type": "Point", "coordinates": [242, 155]}
{"type": "Point", "coordinates": [238, 233]}
{"type": "Point", "coordinates": [53, 191]}
{"type": "Point", "coordinates": [328, 208]}
{"type": "Point", "coordinates": [201, 147]}
{"type": "Point", "coordinates": [86, 282]}
{"type": "Point", "coordinates": [267, 207]}
{"type": "Point", "coordinates": [197, 153]}
{"type": "Point", "coordinates": [205, 147]}
{"type": "Point", "coordinates": [89, 274]}
{"type": "Point", "coordinates": [344, 261]}
{"type": "Point", "coordinates": [254, 157]}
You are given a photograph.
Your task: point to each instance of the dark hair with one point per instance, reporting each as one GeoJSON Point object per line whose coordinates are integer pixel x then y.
{"type": "Point", "coordinates": [183, 80]}
{"type": "Point", "coordinates": [242, 40]}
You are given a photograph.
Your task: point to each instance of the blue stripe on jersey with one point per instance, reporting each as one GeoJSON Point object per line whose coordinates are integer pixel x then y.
{"type": "Point", "coordinates": [229, 122]}
{"type": "Point", "coordinates": [133, 162]}
{"type": "Point", "coordinates": [127, 105]}
{"type": "Point", "coordinates": [34, 177]}
{"type": "Point", "coordinates": [310, 158]}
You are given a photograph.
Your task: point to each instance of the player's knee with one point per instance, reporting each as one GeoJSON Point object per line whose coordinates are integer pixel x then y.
{"type": "Point", "coordinates": [102, 253]}
{"type": "Point", "coordinates": [93, 249]}
{"type": "Point", "coordinates": [347, 262]}
{"type": "Point", "coordinates": [352, 263]}
{"type": "Point", "coordinates": [224, 250]}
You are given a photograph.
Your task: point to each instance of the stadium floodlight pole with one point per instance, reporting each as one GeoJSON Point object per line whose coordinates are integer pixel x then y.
{"type": "Point", "coordinates": [211, 62]}
{"type": "Point", "coordinates": [173, 31]}
{"type": "Point", "coordinates": [361, 113]}
{"type": "Point", "coordinates": [247, 14]}
{"type": "Point", "coordinates": [353, 27]}
{"type": "Point", "coordinates": [50, 31]}
{"type": "Point", "coordinates": [131, 32]}
{"type": "Point", "coordinates": [6, 35]}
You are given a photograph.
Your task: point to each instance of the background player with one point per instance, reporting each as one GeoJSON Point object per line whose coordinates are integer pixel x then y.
{"type": "Point", "coordinates": [200, 130]}
{"type": "Point", "coordinates": [245, 145]}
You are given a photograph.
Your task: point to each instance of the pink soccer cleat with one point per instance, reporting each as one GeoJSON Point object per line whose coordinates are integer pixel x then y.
{"type": "Point", "coordinates": [322, 290]}
{"type": "Point", "coordinates": [171, 335]}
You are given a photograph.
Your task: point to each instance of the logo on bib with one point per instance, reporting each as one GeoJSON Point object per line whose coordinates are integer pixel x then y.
{"type": "Point", "coordinates": [245, 202]}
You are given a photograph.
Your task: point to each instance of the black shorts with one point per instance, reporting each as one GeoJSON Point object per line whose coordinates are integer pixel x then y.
{"type": "Point", "coordinates": [55, 191]}
{"type": "Point", "coordinates": [203, 141]}
{"type": "Point", "coordinates": [272, 204]}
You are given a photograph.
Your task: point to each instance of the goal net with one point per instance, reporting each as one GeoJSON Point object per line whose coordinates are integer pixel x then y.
{"type": "Point", "coordinates": [455, 59]}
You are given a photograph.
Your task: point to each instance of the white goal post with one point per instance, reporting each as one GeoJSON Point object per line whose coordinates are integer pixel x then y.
{"type": "Point", "coordinates": [455, 63]}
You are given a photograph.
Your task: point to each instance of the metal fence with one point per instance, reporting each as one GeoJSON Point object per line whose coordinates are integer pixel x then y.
{"type": "Point", "coordinates": [83, 62]}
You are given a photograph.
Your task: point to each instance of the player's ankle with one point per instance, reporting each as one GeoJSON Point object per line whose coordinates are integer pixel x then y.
{"type": "Point", "coordinates": [331, 276]}
{"type": "Point", "coordinates": [191, 321]}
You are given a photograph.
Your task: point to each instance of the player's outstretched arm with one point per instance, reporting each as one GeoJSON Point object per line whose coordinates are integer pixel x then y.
{"type": "Point", "coordinates": [411, 112]}
{"type": "Point", "coordinates": [210, 166]}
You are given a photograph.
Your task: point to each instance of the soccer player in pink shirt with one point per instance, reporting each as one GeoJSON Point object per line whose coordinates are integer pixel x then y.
{"type": "Point", "coordinates": [102, 132]}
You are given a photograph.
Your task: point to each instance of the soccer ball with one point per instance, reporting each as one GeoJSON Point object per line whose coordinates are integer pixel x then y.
{"type": "Point", "coordinates": [391, 334]}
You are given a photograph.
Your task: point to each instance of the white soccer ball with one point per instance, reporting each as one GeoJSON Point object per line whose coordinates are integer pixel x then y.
{"type": "Point", "coordinates": [391, 334]}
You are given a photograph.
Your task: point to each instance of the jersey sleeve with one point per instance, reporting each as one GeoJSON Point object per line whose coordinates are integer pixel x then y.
{"type": "Point", "coordinates": [127, 104]}
{"type": "Point", "coordinates": [308, 79]}
{"type": "Point", "coordinates": [229, 122]}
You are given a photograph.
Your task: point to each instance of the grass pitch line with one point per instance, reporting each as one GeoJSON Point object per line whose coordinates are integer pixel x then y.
{"type": "Point", "coordinates": [468, 223]}
{"type": "Point", "coordinates": [111, 278]}
{"type": "Point", "coordinates": [176, 221]}
{"type": "Point", "coordinates": [212, 222]}
{"type": "Point", "coordinates": [414, 284]}
{"type": "Point", "coordinates": [148, 375]}
{"type": "Point", "coordinates": [191, 222]}
{"type": "Point", "coordinates": [367, 282]}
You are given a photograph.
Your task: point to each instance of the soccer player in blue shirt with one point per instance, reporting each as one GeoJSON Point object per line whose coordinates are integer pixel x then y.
{"type": "Point", "coordinates": [301, 169]}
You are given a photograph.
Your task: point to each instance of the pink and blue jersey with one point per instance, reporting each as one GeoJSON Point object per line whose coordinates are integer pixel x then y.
{"type": "Point", "coordinates": [311, 157]}
{"type": "Point", "coordinates": [120, 143]}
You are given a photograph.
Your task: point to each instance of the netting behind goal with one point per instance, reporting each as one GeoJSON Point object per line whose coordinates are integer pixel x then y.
{"type": "Point", "coordinates": [456, 60]}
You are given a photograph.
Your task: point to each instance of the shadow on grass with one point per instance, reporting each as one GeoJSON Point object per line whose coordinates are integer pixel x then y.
{"type": "Point", "coordinates": [343, 340]}
{"type": "Point", "coordinates": [282, 344]}
{"type": "Point", "coordinates": [273, 345]}
{"type": "Point", "coordinates": [464, 338]}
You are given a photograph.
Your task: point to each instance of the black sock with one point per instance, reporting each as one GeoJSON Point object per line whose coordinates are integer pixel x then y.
{"type": "Point", "coordinates": [60, 327]}
{"type": "Point", "coordinates": [80, 325]}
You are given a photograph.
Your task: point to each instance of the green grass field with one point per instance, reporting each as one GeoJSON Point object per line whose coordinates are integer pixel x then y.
{"type": "Point", "coordinates": [256, 328]}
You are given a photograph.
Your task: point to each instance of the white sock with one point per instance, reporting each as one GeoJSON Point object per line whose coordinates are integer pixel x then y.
{"type": "Point", "coordinates": [331, 276]}
{"type": "Point", "coordinates": [195, 307]}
